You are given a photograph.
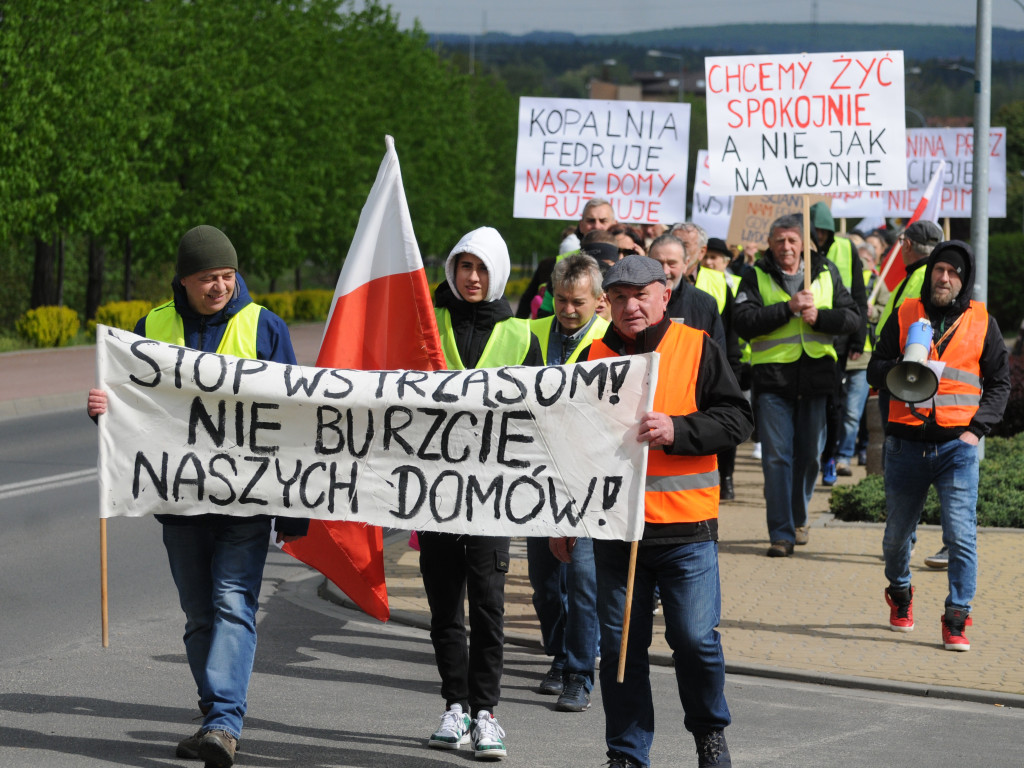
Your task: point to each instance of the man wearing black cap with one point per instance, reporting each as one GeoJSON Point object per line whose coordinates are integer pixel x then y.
{"type": "Point", "coordinates": [216, 560]}
{"type": "Point", "coordinates": [935, 442]}
{"type": "Point", "coordinates": [916, 244]}
{"type": "Point", "coordinates": [698, 411]}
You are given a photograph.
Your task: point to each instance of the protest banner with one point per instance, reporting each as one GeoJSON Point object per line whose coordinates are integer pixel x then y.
{"type": "Point", "coordinates": [752, 215]}
{"type": "Point", "coordinates": [633, 154]}
{"type": "Point", "coordinates": [927, 148]}
{"type": "Point", "coordinates": [712, 212]}
{"type": "Point", "coordinates": [823, 122]}
{"type": "Point", "coordinates": [485, 452]}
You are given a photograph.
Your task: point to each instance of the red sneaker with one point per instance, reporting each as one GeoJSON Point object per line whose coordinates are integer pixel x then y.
{"type": "Point", "coordinates": [953, 624]}
{"type": "Point", "coordinates": [901, 608]}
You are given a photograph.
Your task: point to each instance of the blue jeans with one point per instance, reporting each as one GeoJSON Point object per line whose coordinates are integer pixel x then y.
{"type": "Point", "coordinates": [217, 568]}
{"type": "Point", "coordinates": [792, 432]}
{"type": "Point", "coordinates": [691, 599]}
{"type": "Point", "coordinates": [857, 391]}
{"type": "Point", "coordinates": [565, 598]}
{"type": "Point", "coordinates": [952, 467]}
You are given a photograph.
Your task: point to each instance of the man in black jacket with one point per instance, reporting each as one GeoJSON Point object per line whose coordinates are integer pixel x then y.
{"type": "Point", "coordinates": [793, 359]}
{"type": "Point", "coordinates": [935, 442]}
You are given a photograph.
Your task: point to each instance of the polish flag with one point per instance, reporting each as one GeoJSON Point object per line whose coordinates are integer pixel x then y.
{"type": "Point", "coordinates": [381, 318]}
{"type": "Point", "coordinates": [928, 210]}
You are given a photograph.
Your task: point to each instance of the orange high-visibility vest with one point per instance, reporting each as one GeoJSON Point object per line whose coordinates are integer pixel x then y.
{"type": "Point", "coordinates": [959, 393]}
{"type": "Point", "coordinates": [679, 489]}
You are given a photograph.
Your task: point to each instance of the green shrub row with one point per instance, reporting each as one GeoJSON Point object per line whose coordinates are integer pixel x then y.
{"type": "Point", "coordinates": [48, 326]}
{"type": "Point", "coordinates": [120, 314]}
{"type": "Point", "coordinates": [302, 306]}
{"type": "Point", "coordinates": [1000, 491]}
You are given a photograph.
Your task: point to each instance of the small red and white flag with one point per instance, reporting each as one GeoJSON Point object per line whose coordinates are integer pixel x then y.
{"type": "Point", "coordinates": [927, 209]}
{"type": "Point", "coordinates": [382, 318]}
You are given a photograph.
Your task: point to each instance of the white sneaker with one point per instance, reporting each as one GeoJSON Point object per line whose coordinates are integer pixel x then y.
{"type": "Point", "coordinates": [487, 737]}
{"type": "Point", "coordinates": [756, 453]}
{"type": "Point", "coordinates": [454, 729]}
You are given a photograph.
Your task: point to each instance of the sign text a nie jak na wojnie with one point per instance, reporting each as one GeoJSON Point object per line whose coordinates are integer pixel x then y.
{"type": "Point", "coordinates": [632, 154]}
{"type": "Point", "coordinates": [823, 122]}
{"type": "Point", "coordinates": [485, 451]}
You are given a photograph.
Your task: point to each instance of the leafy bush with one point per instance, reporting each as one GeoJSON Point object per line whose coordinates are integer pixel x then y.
{"type": "Point", "coordinates": [313, 305]}
{"type": "Point", "coordinates": [281, 304]}
{"type": "Point", "coordinates": [49, 326]}
{"type": "Point", "coordinates": [515, 288]}
{"type": "Point", "coordinates": [1005, 274]}
{"type": "Point", "coordinates": [120, 314]}
{"type": "Point", "coordinates": [1000, 491]}
{"type": "Point", "coordinates": [1013, 417]}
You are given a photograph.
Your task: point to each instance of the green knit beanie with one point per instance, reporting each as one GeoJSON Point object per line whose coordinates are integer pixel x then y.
{"type": "Point", "coordinates": [205, 247]}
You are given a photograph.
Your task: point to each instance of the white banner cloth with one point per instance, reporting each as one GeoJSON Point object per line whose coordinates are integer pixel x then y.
{"type": "Point", "coordinates": [547, 451]}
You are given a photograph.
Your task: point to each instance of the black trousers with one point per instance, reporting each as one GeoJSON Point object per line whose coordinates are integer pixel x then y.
{"type": "Point", "coordinates": [453, 567]}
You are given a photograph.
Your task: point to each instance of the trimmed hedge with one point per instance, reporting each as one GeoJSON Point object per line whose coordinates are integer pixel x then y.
{"type": "Point", "coordinates": [48, 326]}
{"type": "Point", "coordinates": [281, 304]}
{"type": "Point", "coordinates": [120, 314]}
{"type": "Point", "coordinates": [1000, 491]}
{"type": "Point", "coordinates": [313, 305]}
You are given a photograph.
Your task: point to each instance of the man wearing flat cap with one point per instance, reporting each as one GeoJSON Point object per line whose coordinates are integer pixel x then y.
{"type": "Point", "coordinates": [216, 560]}
{"type": "Point", "coordinates": [699, 410]}
{"type": "Point", "coordinates": [935, 442]}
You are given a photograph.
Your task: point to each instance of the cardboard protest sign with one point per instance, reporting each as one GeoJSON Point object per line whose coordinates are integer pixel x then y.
{"type": "Point", "coordinates": [822, 122]}
{"type": "Point", "coordinates": [712, 212]}
{"type": "Point", "coordinates": [549, 451]}
{"type": "Point", "coordinates": [632, 154]}
{"type": "Point", "coordinates": [752, 216]}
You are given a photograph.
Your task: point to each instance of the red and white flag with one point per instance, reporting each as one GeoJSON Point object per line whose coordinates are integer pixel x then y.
{"type": "Point", "coordinates": [894, 269]}
{"type": "Point", "coordinates": [382, 318]}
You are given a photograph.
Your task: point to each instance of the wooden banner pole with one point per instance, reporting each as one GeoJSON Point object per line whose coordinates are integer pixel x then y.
{"type": "Point", "coordinates": [104, 628]}
{"type": "Point", "coordinates": [629, 609]}
{"type": "Point", "coordinates": [807, 242]}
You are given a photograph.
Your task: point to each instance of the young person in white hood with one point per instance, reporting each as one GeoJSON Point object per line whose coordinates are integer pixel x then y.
{"type": "Point", "coordinates": [478, 330]}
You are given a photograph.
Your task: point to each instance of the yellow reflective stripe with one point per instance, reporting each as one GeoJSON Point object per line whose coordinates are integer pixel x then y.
{"type": "Point", "coordinates": [673, 483]}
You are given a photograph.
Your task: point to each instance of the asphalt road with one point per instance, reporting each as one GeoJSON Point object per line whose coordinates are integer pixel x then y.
{"type": "Point", "coordinates": [332, 688]}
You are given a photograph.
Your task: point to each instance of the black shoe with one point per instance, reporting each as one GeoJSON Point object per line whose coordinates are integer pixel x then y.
{"type": "Point", "coordinates": [622, 762]}
{"type": "Point", "coordinates": [575, 697]}
{"type": "Point", "coordinates": [712, 750]}
{"type": "Point", "coordinates": [725, 490]}
{"type": "Point", "coordinates": [552, 684]}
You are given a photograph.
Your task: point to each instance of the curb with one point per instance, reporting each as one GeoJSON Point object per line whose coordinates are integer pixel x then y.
{"type": "Point", "coordinates": [328, 591]}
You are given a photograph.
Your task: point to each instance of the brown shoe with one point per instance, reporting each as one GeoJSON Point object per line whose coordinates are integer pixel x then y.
{"type": "Point", "coordinates": [781, 548]}
{"type": "Point", "coordinates": [803, 534]}
{"type": "Point", "coordinates": [217, 748]}
{"type": "Point", "coordinates": [188, 747]}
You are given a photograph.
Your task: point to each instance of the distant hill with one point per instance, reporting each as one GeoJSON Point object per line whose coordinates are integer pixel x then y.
{"type": "Point", "coordinates": [917, 41]}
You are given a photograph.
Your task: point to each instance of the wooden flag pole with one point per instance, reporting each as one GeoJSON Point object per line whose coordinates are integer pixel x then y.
{"type": "Point", "coordinates": [629, 609]}
{"type": "Point", "coordinates": [104, 628]}
{"type": "Point", "coordinates": [807, 242]}
{"type": "Point", "coordinates": [945, 228]}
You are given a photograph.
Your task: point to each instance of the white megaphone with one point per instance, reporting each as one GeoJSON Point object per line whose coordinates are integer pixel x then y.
{"type": "Point", "coordinates": [912, 381]}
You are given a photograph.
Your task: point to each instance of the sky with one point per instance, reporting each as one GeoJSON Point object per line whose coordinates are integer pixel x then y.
{"type": "Point", "coordinates": [601, 16]}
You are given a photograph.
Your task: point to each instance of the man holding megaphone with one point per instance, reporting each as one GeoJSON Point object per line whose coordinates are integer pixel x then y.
{"type": "Point", "coordinates": [943, 361]}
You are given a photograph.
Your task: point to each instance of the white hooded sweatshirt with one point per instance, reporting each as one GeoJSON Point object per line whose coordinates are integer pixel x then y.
{"type": "Point", "coordinates": [487, 245]}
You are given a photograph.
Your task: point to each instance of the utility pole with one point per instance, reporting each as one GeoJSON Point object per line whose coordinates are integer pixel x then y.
{"type": "Point", "coordinates": [982, 124]}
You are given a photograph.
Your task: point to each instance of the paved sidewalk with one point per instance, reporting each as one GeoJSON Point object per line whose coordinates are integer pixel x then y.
{"type": "Point", "coordinates": [817, 616]}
